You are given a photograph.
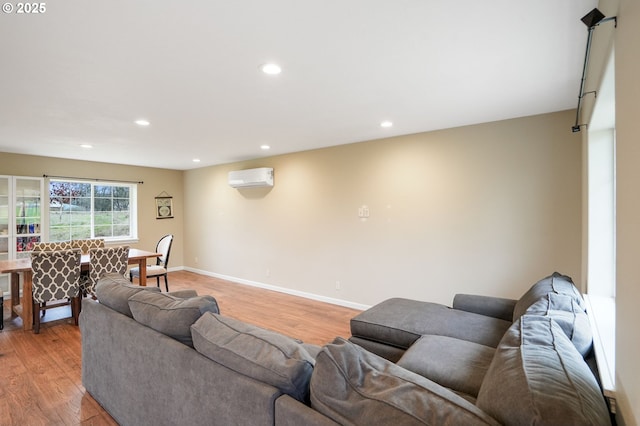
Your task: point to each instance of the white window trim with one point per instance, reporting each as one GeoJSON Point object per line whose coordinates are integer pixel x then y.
{"type": "Point", "coordinates": [108, 240]}
{"type": "Point", "coordinates": [602, 317]}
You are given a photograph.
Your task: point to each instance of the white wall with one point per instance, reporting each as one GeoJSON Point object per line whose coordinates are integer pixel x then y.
{"type": "Point", "coordinates": [485, 209]}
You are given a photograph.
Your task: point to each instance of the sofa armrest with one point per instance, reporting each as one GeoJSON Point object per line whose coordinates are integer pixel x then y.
{"type": "Point", "coordinates": [291, 412]}
{"type": "Point", "coordinates": [495, 307]}
{"type": "Point", "coordinates": [184, 294]}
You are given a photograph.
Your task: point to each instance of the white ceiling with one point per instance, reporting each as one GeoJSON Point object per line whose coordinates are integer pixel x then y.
{"type": "Point", "coordinates": [83, 71]}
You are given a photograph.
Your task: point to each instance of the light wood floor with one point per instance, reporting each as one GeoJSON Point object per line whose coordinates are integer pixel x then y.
{"type": "Point", "coordinates": [40, 375]}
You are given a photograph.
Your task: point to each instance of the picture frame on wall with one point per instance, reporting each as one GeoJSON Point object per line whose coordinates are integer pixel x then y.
{"type": "Point", "coordinates": [164, 207]}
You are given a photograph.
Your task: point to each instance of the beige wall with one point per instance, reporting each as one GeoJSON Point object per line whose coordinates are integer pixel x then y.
{"type": "Point", "coordinates": [485, 209]}
{"type": "Point", "coordinates": [625, 40]}
{"type": "Point", "coordinates": [627, 45]}
{"type": "Point", "coordinates": [155, 181]}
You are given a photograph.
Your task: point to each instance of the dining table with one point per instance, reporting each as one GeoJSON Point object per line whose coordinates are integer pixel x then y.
{"type": "Point", "coordinates": [22, 267]}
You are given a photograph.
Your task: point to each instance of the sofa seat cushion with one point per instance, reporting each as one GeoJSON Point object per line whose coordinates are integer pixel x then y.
{"type": "Point", "coordinates": [537, 377]}
{"type": "Point", "coordinates": [169, 314]}
{"type": "Point", "coordinates": [570, 317]}
{"type": "Point", "coordinates": [555, 283]}
{"type": "Point", "coordinates": [264, 355]}
{"type": "Point", "coordinates": [450, 362]}
{"type": "Point", "coordinates": [353, 386]}
{"type": "Point", "coordinates": [113, 291]}
{"type": "Point", "coordinates": [400, 322]}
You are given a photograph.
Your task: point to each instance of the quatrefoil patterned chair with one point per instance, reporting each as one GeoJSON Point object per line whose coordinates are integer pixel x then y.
{"type": "Point", "coordinates": [104, 261]}
{"type": "Point", "coordinates": [86, 245]}
{"type": "Point", "coordinates": [160, 268]}
{"type": "Point", "coordinates": [53, 246]}
{"type": "Point", "coordinates": [56, 277]}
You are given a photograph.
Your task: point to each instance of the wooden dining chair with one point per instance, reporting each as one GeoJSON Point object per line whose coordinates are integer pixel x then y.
{"type": "Point", "coordinates": [56, 277]}
{"type": "Point", "coordinates": [160, 268]}
{"type": "Point", "coordinates": [104, 261]}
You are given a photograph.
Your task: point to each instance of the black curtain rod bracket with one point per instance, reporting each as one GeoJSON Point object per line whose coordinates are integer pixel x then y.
{"type": "Point", "coordinates": [591, 20]}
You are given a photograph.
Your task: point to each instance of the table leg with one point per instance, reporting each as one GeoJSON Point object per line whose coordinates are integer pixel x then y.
{"type": "Point", "coordinates": [27, 303]}
{"type": "Point", "coordinates": [143, 272]}
{"type": "Point", "coordinates": [15, 291]}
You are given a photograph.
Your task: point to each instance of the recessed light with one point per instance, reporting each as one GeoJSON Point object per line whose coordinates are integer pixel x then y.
{"type": "Point", "coordinates": [386, 124]}
{"type": "Point", "coordinates": [86, 146]}
{"type": "Point", "coordinates": [196, 160]}
{"type": "Point", "coordinates": [142, 122]}
{"type": "Point", "coordinates": [271, 69]}
{"type": "Point", "coordinates": [265, 147]}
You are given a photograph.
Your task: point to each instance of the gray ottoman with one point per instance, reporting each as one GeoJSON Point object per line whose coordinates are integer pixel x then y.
{"type": "Point", "coordinates": [391, 327]}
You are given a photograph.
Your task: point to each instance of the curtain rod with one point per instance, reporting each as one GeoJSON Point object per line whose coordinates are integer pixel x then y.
{"type": "Point", "coordinates": [93, 179]}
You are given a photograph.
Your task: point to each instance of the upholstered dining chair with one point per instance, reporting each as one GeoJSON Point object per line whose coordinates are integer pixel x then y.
{"type": "Point", "coordinates": [160, 268]}
{"type": "Point", "coordinates": [56, 277]}
{"type": "Point", "coordinates": [87, 244]}
{"type": "Point", "coordinates": [53, 246]}
{"type": "Point", "coordinates": [104, 261]}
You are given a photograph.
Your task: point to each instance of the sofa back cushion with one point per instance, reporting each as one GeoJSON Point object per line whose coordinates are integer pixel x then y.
{"type": "Point", "coordinates": [570, 317]}
{"type": "Point", "coordinates": [555, 283]}
{"type": "Point", "coordinates": [264, 355]}
{"type": "Point", "coordinates": [169, 314]}
{"type": "Point", "coordinates": [113, 291]}
{"type": "Point", "coordinates": [353, 386]}
{"type": "Point", "coordinates": [538, 377]}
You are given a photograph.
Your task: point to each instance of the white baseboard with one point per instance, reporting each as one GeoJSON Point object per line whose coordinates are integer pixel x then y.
{"type": "Point", "coordinates": [285, 290]}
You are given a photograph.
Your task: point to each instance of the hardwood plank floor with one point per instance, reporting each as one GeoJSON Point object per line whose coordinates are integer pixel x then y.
{"type": "Point", "coordinates": [40, 374]}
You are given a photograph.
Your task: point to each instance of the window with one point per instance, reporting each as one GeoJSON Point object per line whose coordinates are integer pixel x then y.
{"type": "Point", "coordinates": [601, 190]}
{"type": "Point", "coordinates": [601, 233]}
{"type": "Point", "coordinates": [79, 210]}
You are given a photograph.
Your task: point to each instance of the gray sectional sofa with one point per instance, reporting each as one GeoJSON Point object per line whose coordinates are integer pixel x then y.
{"type": "Point", "coordinates": [152, 358]}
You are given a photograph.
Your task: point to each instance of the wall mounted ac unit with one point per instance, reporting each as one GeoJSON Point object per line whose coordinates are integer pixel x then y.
{"type": "Point", "coordinates": [251, 178]}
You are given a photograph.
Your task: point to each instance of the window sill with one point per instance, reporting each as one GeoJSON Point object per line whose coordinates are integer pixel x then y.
{"type": "Point", "coordinates": [121, 241]}
{"type": "Point", "coordinates": [602, 316]}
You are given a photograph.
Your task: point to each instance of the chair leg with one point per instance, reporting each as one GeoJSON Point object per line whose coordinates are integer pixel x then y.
{"type": "Point", "coordinates": [76, 306]}
{"type": "Point", "coordinates": [158, 280]}
{"type": "Point", "coordinates": [36, 318]}
{"type": "Point", "coordinates": [166, 283]}
{"type": "Point", "coordinates": [44, 305]}
{"type": "Point", "coordinates": [130, 276]}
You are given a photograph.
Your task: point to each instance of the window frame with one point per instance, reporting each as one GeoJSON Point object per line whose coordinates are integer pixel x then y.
{"type": "Point", "coordinates": [133, 210]}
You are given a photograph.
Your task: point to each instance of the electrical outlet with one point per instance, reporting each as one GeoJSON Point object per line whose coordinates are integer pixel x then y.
{"type": "Point", "coordinates": [268, 273]}
{"type": "Point", "coordinates": [196, 259]}
{"type": "Point", "coordinates": [338, 286]}
{"type": "Point", "coordinates": [363, 212]}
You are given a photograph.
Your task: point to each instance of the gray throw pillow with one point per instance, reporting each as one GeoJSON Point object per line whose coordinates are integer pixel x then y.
{"type": "Point", "coordinates": [570, 317]}
{"type": "Point", "coordinates": [171, 315]}
{"type": "Point", "coordinates": [537, 377]}
{"type": "Point", "coordinates": [353, 386]}
{"type": "Point", "coordinates": [264, 355]}
{"type": "Point", "coordinates": [114, 291]}
{"type": "Point", "coordinates": [555, 283]}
